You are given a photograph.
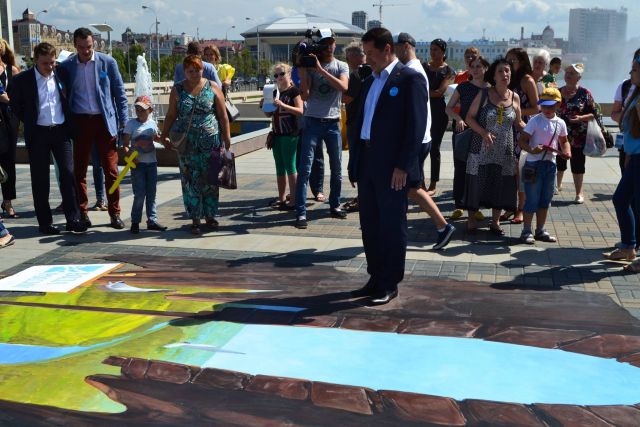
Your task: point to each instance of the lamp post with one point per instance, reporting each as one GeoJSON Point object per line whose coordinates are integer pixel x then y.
{"type": "Point", "coordinates": [104, 28]}
{"type": "Point", "coordinates": [226, 40]}
{"type": "Point", "coordinates": [258, 34]}
{"type": "Point", "coordinates": [37, 34]}
{"type": "Point", "coordinates": [157, 40]}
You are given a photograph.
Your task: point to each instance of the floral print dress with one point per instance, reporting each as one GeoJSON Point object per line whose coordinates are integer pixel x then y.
{"type": "Point", "coordinates": [580, 104]}
{"type": "Point", "coordinates": [199, 196]}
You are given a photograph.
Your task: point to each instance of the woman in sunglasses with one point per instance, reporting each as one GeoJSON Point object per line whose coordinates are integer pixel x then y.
{"type": "Point", "coordinates": [285, 132]}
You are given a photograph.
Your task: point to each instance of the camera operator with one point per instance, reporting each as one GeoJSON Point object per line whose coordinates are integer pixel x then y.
{"type": "Point", "coordinates": [321, 87]}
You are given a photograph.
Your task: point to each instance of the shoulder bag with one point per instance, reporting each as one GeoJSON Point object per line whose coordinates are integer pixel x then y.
{"type": "Point", "coordinates": [178, 139]}
{"type": "Point", "coordinates": [462, 140]}
{"type": "Point", "coordinates": [232, 110]}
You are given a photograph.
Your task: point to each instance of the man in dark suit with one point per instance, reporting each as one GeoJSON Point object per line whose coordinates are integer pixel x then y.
{"type": "Point", "coordinates": [383, 161]}
{"type": "Point", "coordinates": [38, 99]}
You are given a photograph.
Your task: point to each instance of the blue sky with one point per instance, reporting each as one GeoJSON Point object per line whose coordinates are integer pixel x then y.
{"type": "Point", "coordinates": [424, 19]}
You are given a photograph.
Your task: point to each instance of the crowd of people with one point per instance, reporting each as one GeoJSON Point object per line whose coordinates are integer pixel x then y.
{"type": "Point", "coordinates": [515, 128]}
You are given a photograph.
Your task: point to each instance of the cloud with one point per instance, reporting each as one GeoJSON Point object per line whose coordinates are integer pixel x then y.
{"type": "Point", "coordinates": [527, 11]}
{"type": "Point", "coordinates": [444, 8]}
{"type": "Point", "coordinates": [283, 12]}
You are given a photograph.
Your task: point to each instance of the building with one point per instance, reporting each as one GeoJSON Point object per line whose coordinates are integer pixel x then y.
{"type": "Point", "coordinates": [359, 19]}
{"type": "Point", "coordinates": [6, 30]}
{"type": "Point", "coordinates": [489, 49]}
{"type": "Point", "coordinates": [28, 32]}
{"type": "Point", "coordinates": [593, 30]}
{"type": "Point", "coordinates": [277, 38]}
{"type": "Point", "coordinates": [374, 23]}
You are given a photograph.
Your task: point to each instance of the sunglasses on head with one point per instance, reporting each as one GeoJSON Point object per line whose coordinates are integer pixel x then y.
{"type": "Point", "coordinates": [280, 74]}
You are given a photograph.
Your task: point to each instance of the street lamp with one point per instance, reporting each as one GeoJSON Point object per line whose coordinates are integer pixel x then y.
{"type": "Point", "coordinates": [157, 39]}
{"type": "Point", "coordinates": [104, 28]}
{"type": "Point", "coordinates": [258, 34]}
{"type": "Point", "coordinates": [226, 41]}
{"type": "Point", "coordinates": [37, 34]}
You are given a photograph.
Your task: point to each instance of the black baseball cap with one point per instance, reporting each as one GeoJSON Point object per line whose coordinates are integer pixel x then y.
{"type": "Point", "coordinates": [401, 38]}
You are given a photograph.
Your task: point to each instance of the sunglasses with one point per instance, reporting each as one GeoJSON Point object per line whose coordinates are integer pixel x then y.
{"type": "Point", "coordinates": [280, 74]}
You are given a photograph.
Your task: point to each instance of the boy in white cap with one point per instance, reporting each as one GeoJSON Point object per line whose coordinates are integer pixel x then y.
{"type": "Point", "coordinates": [544, 136]}
{"type": "Point", "coordinates": [140, 134]}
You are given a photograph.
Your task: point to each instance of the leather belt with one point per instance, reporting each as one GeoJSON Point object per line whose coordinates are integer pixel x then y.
{"type": "Point", "coordinates": [324, 120]}
{"type": "Point", "coordinates": [50, 127]}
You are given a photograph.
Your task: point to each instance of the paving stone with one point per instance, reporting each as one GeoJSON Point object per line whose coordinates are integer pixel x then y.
{"type": "Point", "coordinates": [289, 388]}
{"type": "Point", "coordinates": [618, 415]}
{"type": "Point", "coordinates": [484, 412]}
{"type": "Point", "coordinates": [346, 398]}
{"type": "Point", "coordinates": [221, 378]}
{"type": "Point", "coordinates": [569, 415]}
{"type": "Point", "coordinates": [169, 372]}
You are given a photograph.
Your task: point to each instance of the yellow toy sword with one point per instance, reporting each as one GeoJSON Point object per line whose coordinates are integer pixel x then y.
{"type": "Point", "coordinates": [129, 160]}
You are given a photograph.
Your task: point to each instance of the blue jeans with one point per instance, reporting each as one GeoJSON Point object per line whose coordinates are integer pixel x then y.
{"type": "Point", "coordinates": [315, 131]}
{"type": "Point", "coordinates": [540, 192]}
{"type": "Point", "coordinates": [3, 230]}
{"type": "Point", "coordinates": [144, 179]}
{"type": "Point", "coordinates": [627, 192]}
{"type": "Point", "coordinates": [98, 175]}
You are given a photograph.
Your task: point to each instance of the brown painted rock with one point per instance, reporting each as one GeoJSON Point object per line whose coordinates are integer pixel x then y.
{"type": "Point", "coordinates": [443, 328]}
{"type": "Point", "coordinates": [221, 378]}
{"type": "Point", "coordinates": [607, 345]}
{"type": "Point", "coordinates": [536, 337]}
{"type": "Point", "coordinates": [289, 388]}
{"type": "Point", "coordinates": [374, 324]}
{"type": "Point", "coordinates": [486, 412]}
{"type": "Point", "coordinates": [424, 408]}
{"type": "Point", "coordinates": [169, 372]}
{"type": "Point", "coordinates": [569, 415]}
{"type": "Point", "coordinates": [347, 398]}
{"type": "Point", "coordinates": [618, 415]}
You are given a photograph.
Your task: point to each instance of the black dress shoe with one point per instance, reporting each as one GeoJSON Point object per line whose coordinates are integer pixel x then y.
{"type": "Point", "coordinates": [116, 222]}
{"type": "Point", "coordinates": [338, 213]}
{"type": "Point", "coordinates": [49, 229]}
{"type": "Point", "coordinates": [85, 218]}
{"type": "Point", "coordinates": [76, 226]}
{"type": "Point", "coordinates": [383, 297]}
{"type": "Point", "coordinates": [156, 226]}
{"type": "Point", "coordinates": [365, 291]}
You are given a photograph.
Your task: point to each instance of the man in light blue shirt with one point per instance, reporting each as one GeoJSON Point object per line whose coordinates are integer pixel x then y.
{"type": "Point", "coordinates": [209, 72]}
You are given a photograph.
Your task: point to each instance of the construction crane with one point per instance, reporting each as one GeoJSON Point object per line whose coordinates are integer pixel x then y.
{"type": "Point", "coordinates": [379, 6]}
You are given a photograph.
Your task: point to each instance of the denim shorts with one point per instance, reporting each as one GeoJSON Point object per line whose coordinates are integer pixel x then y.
{"type": "Point", "coordinates": [539, 193]}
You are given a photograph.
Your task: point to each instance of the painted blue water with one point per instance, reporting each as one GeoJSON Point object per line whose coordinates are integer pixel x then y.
{"type": "Point", "coordinates": [461, 368]}
{"type": "Point", "coordinates": [22, 353]}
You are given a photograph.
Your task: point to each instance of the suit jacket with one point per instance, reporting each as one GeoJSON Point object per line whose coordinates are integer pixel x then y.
{"type": "Point", "coordinates": [398, 125]}
{"type": "Point", "coordinates": [110, 93]}
{"type": "Point", "coordinates": [25, 103]}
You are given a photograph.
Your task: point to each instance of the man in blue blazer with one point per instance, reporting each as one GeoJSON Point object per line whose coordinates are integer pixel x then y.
{"type": "Point", "coordinates": [39, 101]}
{"type": "Point", "coordinates": [383, 161]}
{"type": "Point", "coordinates": [99, 104]}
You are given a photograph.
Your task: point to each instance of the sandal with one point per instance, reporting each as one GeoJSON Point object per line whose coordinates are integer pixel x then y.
{"type": "Point", "coordinates": [620, 255]}
{"type": "Point", "coordinates": [212, 223]}
{"type": "Point", "coordinates": [527, 238]}
{"type": "Point", "coordinates": [195, 229]}
{"type": "Point", "coordinates": [8, 210]}
{"type": "Point", "coordinates": [8, 241]}
{"type": "Point", "coordinates": [351, 205]}
{"type": "Point", "coordinates": [497, 230]}
{"type": "Point", "coordinates": [634, 267]}
{"type": "Point", "coordinates": [544, 236]}
{"type": "Point", "coordinates": [506, 216]}
{"type": "Point", "coordinates": [275, 203]}
{"type": "Point", "coordinates": [320, 198]}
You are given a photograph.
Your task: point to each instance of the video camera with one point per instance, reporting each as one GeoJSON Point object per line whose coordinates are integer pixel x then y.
{"type": "Point", "coordinates": [310, 45]}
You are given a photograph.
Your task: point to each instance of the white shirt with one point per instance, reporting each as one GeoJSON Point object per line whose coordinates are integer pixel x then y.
{"type": "Point", "coordinates": [85, 99]}
{"type": "Point", "coordinates": [544, 131]}
{"type": "Point", "coordinates": [416, 65]}
{"type": "Point", "coordinates": [49, 107]}
{"type": "Point", "coordinates": [372, 99]}
{"type": "Point", "coordinates": [618, 96]}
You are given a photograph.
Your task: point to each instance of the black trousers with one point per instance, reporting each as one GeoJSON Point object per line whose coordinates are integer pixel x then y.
{"type": "Point", "coordinates": [634, 207]}
{"type": "Point", "coordinates": [439, 123]}
{"type": "Point", "coordinates": [47, 141]}
{"type": "Point", "coordinates": [383, 220]}
{"type": "Point", "coordinates": [459, 176]}
{"type": "Point", "coordinates": [8, 157]}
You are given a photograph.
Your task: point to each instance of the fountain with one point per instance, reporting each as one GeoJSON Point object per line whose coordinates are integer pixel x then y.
{"type": "Point", "coordinates": [143, 81]}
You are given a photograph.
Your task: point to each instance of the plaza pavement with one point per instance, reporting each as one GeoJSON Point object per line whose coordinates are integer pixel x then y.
{"type": "Point", "coordinates": [250, 230]}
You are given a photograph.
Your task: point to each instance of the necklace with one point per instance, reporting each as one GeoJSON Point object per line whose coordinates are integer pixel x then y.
{"type": "Point", "coordinates": [502, 98]}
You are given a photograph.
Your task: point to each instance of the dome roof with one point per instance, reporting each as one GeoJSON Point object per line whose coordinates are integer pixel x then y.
{"type": "Point", "coordinates": [298, 24]}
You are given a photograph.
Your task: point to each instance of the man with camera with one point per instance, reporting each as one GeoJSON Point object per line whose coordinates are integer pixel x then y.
{"type": "Point", "coordinates": [322, 81]}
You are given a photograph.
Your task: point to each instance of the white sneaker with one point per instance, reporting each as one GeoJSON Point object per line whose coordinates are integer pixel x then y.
{"type": "Point", "coordinates": [579, 199]}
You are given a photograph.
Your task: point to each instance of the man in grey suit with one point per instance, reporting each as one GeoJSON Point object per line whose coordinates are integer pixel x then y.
{"type": "Point", "coordinates": [99, 105]}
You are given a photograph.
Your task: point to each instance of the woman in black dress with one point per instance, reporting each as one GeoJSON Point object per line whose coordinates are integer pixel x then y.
{"type": "Point", "coordinates": [439, 74]}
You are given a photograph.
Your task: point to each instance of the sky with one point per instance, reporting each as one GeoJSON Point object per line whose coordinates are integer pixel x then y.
{"type": "Point", "coordinates": [424, 19]}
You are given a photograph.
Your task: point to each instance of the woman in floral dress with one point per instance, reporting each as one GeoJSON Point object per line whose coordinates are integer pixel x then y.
{"type": "Point", "coordinates": [491, 165]}
{"type": "Point", "coordinates": [195, 104]}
